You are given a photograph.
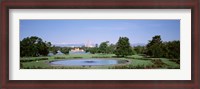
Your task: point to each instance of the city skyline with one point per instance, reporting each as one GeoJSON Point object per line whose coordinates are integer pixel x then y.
{"type": "Point", "coordinates": [97, 31]}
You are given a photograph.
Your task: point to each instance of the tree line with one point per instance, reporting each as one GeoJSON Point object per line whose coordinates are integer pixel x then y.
{"type": "Point", "coordinates": [157, 48]}
{"type": "Point", "coordinates": [121, 49]}
{"type": "Point", "coordinates": [35, 46]}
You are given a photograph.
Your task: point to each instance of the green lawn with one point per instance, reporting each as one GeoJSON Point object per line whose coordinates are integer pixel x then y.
{"type": "Point", "coordinates": [136, 62]}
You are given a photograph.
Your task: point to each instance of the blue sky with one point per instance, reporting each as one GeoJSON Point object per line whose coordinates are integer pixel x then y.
{"type": "Point", "coordinates": [97, 31]}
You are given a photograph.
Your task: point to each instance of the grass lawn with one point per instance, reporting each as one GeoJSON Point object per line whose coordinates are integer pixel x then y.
{"type": "Point", "coordinates": [136, 62]}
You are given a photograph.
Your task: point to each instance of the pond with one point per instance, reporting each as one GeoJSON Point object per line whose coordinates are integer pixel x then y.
{"type": "Point", "coordinates": [88, 62]}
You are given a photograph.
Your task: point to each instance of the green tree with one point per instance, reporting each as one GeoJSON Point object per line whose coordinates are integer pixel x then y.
{"type": "Point", "coordinates": [111, 48]}
{"type": "Point", "coordinates": [65, 50]}
{"type": "Point", "coordinates": [33, 46]}
{"type": "Point", "coordinates": [93, 50]}
{"type": "Point", "coordinates": [154, 47]}
{"type": "Point", "coordinates": [54, 49]}
{"type": "Point", "coordinates": [103, 47]}
{"type": "Point", "coordinates": [43, 48]}
{"type": "Point", "coordinates": [139, 49]}
{"type": "Point", "coordinates": [172, 49]}
{"type": "Point", "coordinates": [123, 47]}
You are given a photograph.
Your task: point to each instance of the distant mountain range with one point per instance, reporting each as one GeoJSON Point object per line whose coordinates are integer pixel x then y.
{"type": "Point", "coordinates": [69, 45]}
{"type": "Point", "coordinates": [82, 44]}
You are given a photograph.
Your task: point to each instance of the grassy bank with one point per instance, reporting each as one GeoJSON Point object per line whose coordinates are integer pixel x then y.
{"type": "Point", "coordinates": [136, 62]}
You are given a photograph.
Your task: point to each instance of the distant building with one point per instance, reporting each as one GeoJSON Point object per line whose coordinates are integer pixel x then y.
{"type": "Point", "coordinates": [50, 54]}
{"type": "Point", "coordinates": [59, 53]}
{"type": "Point", "coordinates": [96, 45]}
{"type": "Point", "coordinates": [77, 51]}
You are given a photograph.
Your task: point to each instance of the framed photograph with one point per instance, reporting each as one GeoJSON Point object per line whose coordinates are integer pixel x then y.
{"type": "Point", "coordinates": [134, 44]}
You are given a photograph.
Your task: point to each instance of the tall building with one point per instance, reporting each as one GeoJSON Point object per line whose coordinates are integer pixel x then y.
{"type": "Point", "coordinates": [88, 44]}
{"type": "Point", "coordinates": [96, 45]}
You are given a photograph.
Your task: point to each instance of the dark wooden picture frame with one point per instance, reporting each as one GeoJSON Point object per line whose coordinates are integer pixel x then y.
{"type": "Point", "coordinates": [99, 4]}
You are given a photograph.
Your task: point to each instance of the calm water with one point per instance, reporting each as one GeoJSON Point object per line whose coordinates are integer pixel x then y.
{"type": "Point", "coordinates": [81, 62]}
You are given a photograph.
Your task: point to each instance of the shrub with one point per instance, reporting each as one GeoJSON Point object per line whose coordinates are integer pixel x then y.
{"type": "Point", "coordinates": [21, 65]}
{"type": "Point", "coordinates": [144, 58]}
{"type": "Point", "coordinates": [77, 57]}
{"type": "Point", "coordinates": [122, 61]}
{"type": "Point", "coordinates": [130, 57]}
{"type": "Point", "coordinates": [157, 63]}
{"type": "Point", "coordinates": [140, 67]}
{"type": "Point", "coordinates": [35, 59]}
{"type": "Point", "coordinates": [175, 60]}
{"type": "Point", "coordinates": [59, 58]}
{"type": "Point", "coordinates": [138, 58]}
{"type": "Point", "coordinates": [101, 57]}
{"type": "Point", "coordinates": [128, 67]}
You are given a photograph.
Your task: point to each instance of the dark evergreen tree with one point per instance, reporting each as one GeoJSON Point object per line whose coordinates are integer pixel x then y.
{"type": "Point", "coordinates": [157, 48]}
{"type": "Point", "coordinates": [172, 49]}
{"type": "Point", "coordinates": [154, 47]}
